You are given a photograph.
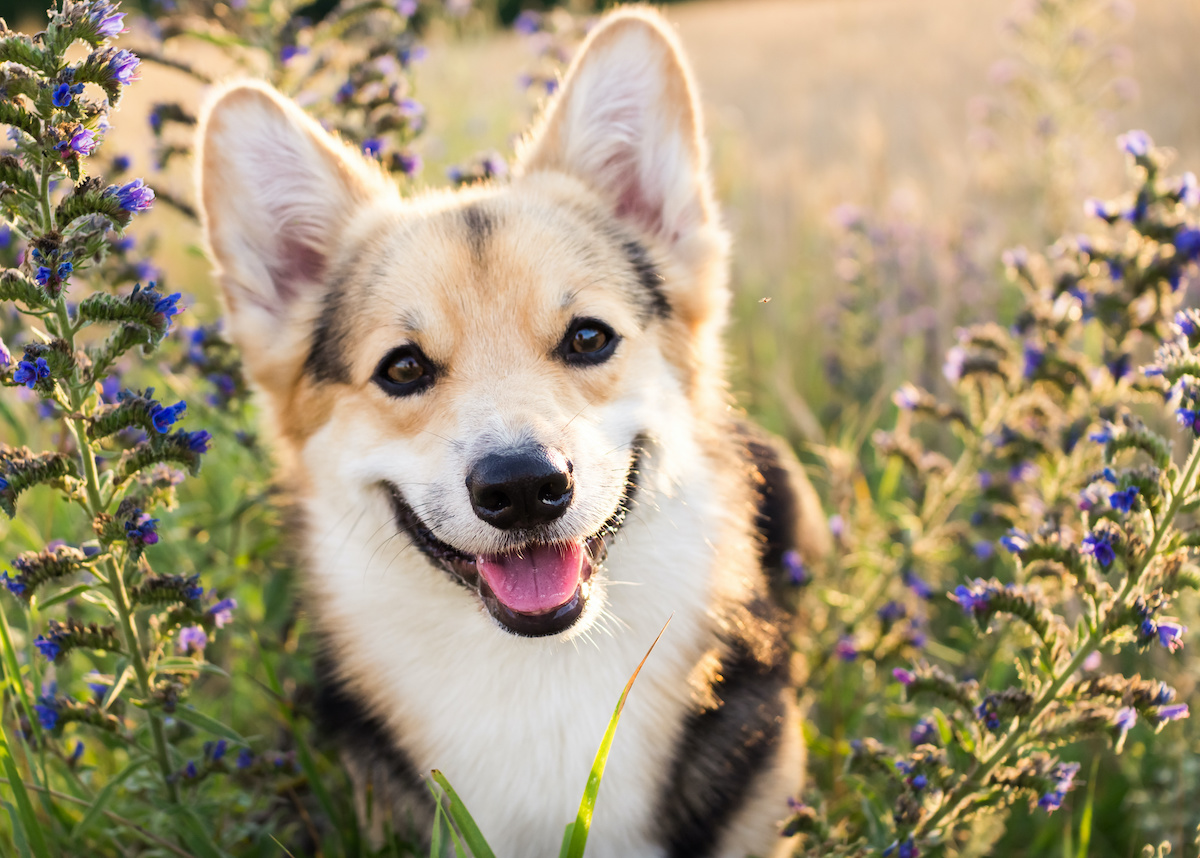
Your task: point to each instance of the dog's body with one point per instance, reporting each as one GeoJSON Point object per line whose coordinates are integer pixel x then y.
{"type": "Point", "coordinates": [503, 418]}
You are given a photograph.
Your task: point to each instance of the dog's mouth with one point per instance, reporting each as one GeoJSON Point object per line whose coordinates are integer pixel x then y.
{"type": "Point", "coordinates": [538, 589]}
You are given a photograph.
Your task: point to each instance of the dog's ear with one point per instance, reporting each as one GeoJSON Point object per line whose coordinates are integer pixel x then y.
{"type": "Point", "coordinates": [628, 123]}
{"type": "Point", "coordinates": [276, 192]}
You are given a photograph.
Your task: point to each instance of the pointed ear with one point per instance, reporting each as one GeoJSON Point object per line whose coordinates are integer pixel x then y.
{"type": "Point", "coordinates": [277, 192]}
{"type": "Point", "coordinates": [628, 124]}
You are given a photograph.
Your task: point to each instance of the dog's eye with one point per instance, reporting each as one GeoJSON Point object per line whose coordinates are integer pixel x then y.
{"type": "Point", "coordinates": [404, 371]}
{"type": "Point", "coordinates": [588, 341]}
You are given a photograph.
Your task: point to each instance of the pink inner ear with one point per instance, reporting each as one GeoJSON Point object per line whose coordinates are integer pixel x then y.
{"type": "Point", "coordinates": [633, 203]}
{"type": "Point", "coordinates": [297, 264]}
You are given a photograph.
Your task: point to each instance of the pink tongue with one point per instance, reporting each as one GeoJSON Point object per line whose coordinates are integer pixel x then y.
{"type": "Point", "coordinates": [537, 580]}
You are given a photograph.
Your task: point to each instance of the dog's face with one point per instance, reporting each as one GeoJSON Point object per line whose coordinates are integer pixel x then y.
{"type": "Point", "coordinates": [488, 363]}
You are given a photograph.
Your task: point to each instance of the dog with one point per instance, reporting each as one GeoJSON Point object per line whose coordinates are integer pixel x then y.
{"type": "Point", "coordinates": [502, 414]}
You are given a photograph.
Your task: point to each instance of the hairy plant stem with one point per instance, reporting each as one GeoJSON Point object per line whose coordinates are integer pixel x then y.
{"type": "Point", "coordinates": [95, 505]}
{"type": "Point", "coordinates": [961, 795]}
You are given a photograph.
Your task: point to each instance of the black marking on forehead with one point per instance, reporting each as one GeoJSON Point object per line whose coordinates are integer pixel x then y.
{"type": "Point", "coordinates": [480, 225]}
{"type": "Point", "coordinates": [326, 361]}
{"type": "Point", "coordinates": [649, 277]}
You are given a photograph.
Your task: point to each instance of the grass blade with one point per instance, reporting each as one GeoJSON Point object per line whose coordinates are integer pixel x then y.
{"type": "Point", "coordinates": [1085, 822]}
{"type": "Point", "coordinates": [583, 821]}
{"type": "Point", "coordinates": [32, 828]}
{"type": "Point", "coordinates": [12, 673]}
{"type": "Point", "coordinates": [566, 844]}
{"type": "Point", "coordinates": [18, 835]}
{"type": "Point", "coordinates": [462, 818]}
{"type": "Point", "coordinates": [197, 718]}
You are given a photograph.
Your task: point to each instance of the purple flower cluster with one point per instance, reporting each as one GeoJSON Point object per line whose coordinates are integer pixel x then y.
{"type": "Point", "coordinates": [1062, 778]}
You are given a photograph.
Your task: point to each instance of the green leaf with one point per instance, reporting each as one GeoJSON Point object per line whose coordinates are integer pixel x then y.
{"type": "Point", "coordinates": [583, 821]}
{"type": "Point", "coordinates": [101, 801]}
{"type": "Point", "coordinates": [462, 818]}
{"type": "Point", "coordinates": [1085, 822]}
{"type": "Point", "coordinates": [64, 595]}
{"type": "Point", "coordinates": [197, 718]}
{"type": "Point", "coordinates": [566, 842]}
{"type": "Point", "coordinates": [194, 833]}
{"type": "Point", "coordinates": [12, 673]}
{"type": "Point", "coordinates": [17, 834]}
{"type": "Point", "coordinates": [33, 829]}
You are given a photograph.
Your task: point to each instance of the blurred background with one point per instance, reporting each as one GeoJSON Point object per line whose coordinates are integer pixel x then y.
{"type": "Point", "coordinates": [873, 159]}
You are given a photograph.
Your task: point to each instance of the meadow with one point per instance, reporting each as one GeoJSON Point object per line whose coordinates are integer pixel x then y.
{"type": "Point", "coordinates": [874, 159]}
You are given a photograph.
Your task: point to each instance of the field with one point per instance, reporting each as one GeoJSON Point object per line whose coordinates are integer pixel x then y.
{"type": "Point", "coordinates": [873, 159]}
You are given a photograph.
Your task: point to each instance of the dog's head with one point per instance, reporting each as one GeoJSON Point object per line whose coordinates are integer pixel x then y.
{"type": "Point", "coordinates": [488, 362]}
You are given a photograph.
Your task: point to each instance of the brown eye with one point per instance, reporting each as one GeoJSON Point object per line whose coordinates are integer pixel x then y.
{"type": "Point", "coordinates": [588, 342]}
{"type": "Point", "coordinates": [404, 371]}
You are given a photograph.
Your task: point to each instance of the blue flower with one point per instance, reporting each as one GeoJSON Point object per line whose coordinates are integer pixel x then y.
{"type": "Point", "coordinates": [970, 601]}
{"type": "Point", "coordinates": [891, 612]}
{"type": "Point", "coordinates": [983, 549]}
{"type": "Point", "coordinates": [29, 373]}
{"type": "Point", "coordinates": [1123, 500]}
{"type": "Point", "coordinates": [219, 750]}
{"type": "Point", "coordinates": [141, 530]}
{"type": "Point", "coordinates": [222, 612]}
{"type": "Point", "coordinates": [1094, 207]}
{"type": "Point", "coordinates": [1099, 545]}
{"type": "Point", "coordinates": [1170, 635]}
{"type": "Point", "coordinates": [1173, 713]}
{"type": "Point", "coordinates": [793, 565]}
{"type": "Point", "coordinates": [192, 639]}
{"type": "Point", "coordinates": [62, 94]}
{"type": "Point", "coordinates": [1188, 417]}
{"type": "Point", "coordinates": [76, 754]}
{"type": "Point", "coordinates": [163, 417]}
{"type": "Point", "coordinates": [47, 711]}
{"type": "Point", "coordinates": [121, 163]}
{"type": "Point", "coordinates": [48, 647]}
{"type": "Point", "coordinates": [1119, 367]}
{"type": "Point", "coordinates": [924, 732]}
{"type": "Point", "coordinates": [528, 22]}
{"type": "Point", "coordinates": [198, 441]}
{"type": "Point", "coordinates": [245, 759]}
{"type": "Point", "coordinates": [15, 584]}
{"type": "Point", "coordinates": [916, 584]}
{"type": "Point", "coordinates": [168, 306]}
{"type": "Point", "coordinates": [372, 147]}
{"type": "Point", "coordinates": [1137, 143]}
{"type": "Point", "coordinates": [1184, 322]}
{"type": "Point", "coordinates": [919, 782]}
{"type": "Point", "coordinates": [289, 52]}
{"type": "Point", "coordinates": [1016, 541]}
{"type": "Point", "coordinates": [845, 649]}
{"type": "Point", "coordinates": [98, 689]}
{"type": "Point", "coordinates": [1187, 245]}
{"type": "Point", "coordinates": [1125, 719]}
{"type": "Point", "coordinates": [1052, 800]}
{"type": "Point", "coordinates": [42, 275]}
{"type": "Point", "coordinates": [81, 142]}
{"type": "Point", "coordinates": [408, 163]}
{"type": "Point", "coordinates": [1103, 436]}
{"type": "Point", "coordinates": [122, 65]}
{"type": "Point", "coordinates": [133, 196]}
{"type": "Point", "coordinates": [107, 20]}
{"type": "Point", "coordinates": [1033, 360]}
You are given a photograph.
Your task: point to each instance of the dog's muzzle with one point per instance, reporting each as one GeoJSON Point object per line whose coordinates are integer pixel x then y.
{"type": "Point", "coordinates": [541, 588]}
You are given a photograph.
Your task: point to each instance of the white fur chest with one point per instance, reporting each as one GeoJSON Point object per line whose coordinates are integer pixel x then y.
{"type": "Point", "coordinates": [514, 723]}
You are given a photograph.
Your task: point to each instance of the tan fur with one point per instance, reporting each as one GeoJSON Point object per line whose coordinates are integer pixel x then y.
{"type": "Point", "coordinates": [325, 269]}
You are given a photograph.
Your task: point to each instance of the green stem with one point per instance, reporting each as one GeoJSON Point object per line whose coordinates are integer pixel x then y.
{"type": "Point", "coordinates": [961, 795]}
{"type": "Point", "coordinates": [133, 648]}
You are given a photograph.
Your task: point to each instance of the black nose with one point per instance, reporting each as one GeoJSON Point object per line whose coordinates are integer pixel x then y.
{"type": "Point", "coordinates": [522, 488]}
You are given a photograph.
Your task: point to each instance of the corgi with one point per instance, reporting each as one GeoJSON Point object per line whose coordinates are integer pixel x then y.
{"type": "Point", "coordinates": [502, 415]}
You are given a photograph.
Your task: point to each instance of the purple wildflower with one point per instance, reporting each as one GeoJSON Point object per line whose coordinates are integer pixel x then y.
{"type": "Point", "coordinates": [1034, 357]}
{"type": "Point", "coordinates": [1137, 143]}
{"type": "Point", "coordinates": [245, 759]}
{"type": "Point", "coordinates": [924, 732]}
{"type": "Point", "coordinates": [970, 601]}
{"type": "Point", "coordinates": [793, 565]}
{"type": "Point", "coordinates": [47, 711]}
{"type": "Point", "coordinates": [133, 196]}
{"type": "Point", "coordinates": [1099, 545]}
{"type": "Point", "coordinates": [845, 649]}
{"type": "Point", "coordinates": [528, 22]}
{"type": "Point", "coordinates": [372, 147]}
{"type": "Point", "coordinates": [29, 373]}
{"type": "Point", "coordinates": [122, 66]}
{"type": "Point", "coordinates": [1189, 418]}
{"type": "Point", "coordinates": [48, 646]}
{"type": "Point", "coordinates": [222, 612]}
{"type": "Point", "coordinates": [192, 639]}
{"type": "Point", "coordinates": [953, 367]}
{"type": "Point", "coordinates": [1126, 718]}
{"type": "Point", "coordinates": [1123, 500]}
{"type": "Point", "coordinates": [163, 417]}
{"type": "Point", "coordinates": [1016, 541]}
{"type": "Point", "coordinates": [907, 397]}
{"type": "Point", "coordinates": [904, 677]}
{"type": "Point", "coordinates": [198, 441]}
{"type": "Point", "coordinates": [1170, 635]}
{"type": "Point", "coordinates": [81, 142]}
{"type": "Point", "coordinates": [289, 52]}
{"type": "Point", "coordinates": [107, 20]}
{"type": "Point", "coordinates": [1174, 712]}
{"type": "Point", "coordinates": [142, 530]}
{"type": "Point", "coordinates": [916, 584]}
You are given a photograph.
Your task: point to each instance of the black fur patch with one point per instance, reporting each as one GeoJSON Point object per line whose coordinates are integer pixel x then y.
{"type": "Point", "coordinates": [326, 361]}
{"type": "Point", "coordinates": [480, 226]}
{"type": "Point", "coordinates": [723, 748]}
{"type": "Point", "coordinates": [777, 504]}
{"type": "Point", "coordinates": [648, 276]}
{"type": "Point", "coordinates": [363, 737]}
